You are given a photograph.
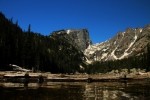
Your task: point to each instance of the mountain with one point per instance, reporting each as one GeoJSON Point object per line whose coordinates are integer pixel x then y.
{"type": "Point", "coordinates": [32, 50]}
{"type": "Point", "coordinates": [79, 38]}
{"type": "Point", "coordinates": [132, 42]}
{"type": "Point", "coordinates": [66, 51]}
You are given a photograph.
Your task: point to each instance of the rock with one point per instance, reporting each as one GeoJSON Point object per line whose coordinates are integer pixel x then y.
{"type": "Point", "coordinates": [132, 42]}
{"type": "Point", "coordinates": [79, 38]}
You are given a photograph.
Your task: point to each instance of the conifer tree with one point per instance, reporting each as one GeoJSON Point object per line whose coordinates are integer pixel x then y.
{"type": "Point", "coordinates": [29, 28]}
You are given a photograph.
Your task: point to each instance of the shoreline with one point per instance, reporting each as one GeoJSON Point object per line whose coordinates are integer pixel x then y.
{"type": "Point", "coordinates": [8, 76]}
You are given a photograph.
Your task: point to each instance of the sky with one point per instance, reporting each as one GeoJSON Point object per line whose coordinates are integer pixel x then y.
{"type": "Point", "coordinates": [102, 18]}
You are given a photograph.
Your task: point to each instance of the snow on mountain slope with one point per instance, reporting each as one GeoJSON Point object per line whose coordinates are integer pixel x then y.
{"type": "Point", "coordinates": [124, 44]}
{"type": "Point", "coordinates": [126, 51]}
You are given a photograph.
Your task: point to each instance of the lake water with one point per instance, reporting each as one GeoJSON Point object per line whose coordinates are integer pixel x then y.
{"type": "Point", "coordinates": [75, 91]}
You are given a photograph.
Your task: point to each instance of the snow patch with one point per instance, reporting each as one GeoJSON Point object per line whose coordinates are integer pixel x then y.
{"type": "Point", "coordinates": [141, 30]}
{"type": "Point", "coordinates": [88, 61]}
{"type": "Point", "coordinates": [59, 33]}
{"type": "Point", "coordinates": [123, 33]}
{"type": "Point", "coordinates": [113, 53]}
{"type": "Point", "coordinates": [97, 43]}
{"type": "Point", "coordinates": [93, 48]}
{"type": "Point", "coordinates": [105, 49]}
{"type": "Point", "coordinates": [114, 42]}
{"type": "Point", "coordinates": [91, 52]}
{"type": "Point", "coordinates": [68, 31]}
{"type": "Point", "coordinates": [126, 51]}
{"type": "Point", "coordinates": [131, 44]}
{"type": "Point", "coordinates": [104, 55]}
{"type": "Point", "coordinates": [95, 58]}
{"type": "Point", "coordinates": [18, 68]}
{"type": "Point", "coordinates": [81, 67]}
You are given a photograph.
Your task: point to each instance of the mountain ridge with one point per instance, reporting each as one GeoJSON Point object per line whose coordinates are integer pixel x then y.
{"type": "Point", "coordinates": [122, 45]}
{"type": "Point", "coordinates": [62, 52]}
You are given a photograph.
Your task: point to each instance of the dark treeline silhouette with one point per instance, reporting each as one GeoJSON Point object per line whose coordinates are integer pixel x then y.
{"type": "Point", "coordinates": [35, 51]}
{"type": "Point", "coordinates": [142, 61]}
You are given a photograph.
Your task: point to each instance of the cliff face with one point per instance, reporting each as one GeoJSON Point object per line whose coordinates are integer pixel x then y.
{"type": "Point", "coordinates": [78, 38]}
{"type": "Point", "coordinates": [132, 42]}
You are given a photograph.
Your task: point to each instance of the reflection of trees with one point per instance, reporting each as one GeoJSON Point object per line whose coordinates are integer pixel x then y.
{"type": "Point", "coordinates": [94, 92]}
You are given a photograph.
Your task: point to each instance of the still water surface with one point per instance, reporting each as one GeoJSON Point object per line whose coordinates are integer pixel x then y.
{"type": "Point", "coordinates": [75, 91]}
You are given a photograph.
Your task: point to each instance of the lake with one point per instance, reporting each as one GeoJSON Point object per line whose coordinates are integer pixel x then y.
{"type": "Point", "coordinates": [75, 91]}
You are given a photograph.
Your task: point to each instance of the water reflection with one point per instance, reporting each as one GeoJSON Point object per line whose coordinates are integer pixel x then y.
{"type": "Point", "coordinates": [105, 92]}
{"type": "Point", "coordinates": [75, 91]}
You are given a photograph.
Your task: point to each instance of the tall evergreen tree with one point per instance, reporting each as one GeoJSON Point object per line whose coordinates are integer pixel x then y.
{"type": "Point", "coordinates": [29, 28]}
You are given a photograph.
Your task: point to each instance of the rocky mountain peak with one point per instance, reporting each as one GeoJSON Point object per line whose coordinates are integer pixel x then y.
{"type": "Point", "coordinates": [132, 42]}
{"type": "Point", "coordinates": [77, 37]}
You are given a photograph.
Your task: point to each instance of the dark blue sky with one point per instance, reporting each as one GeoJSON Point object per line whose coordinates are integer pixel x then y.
{"type": "Point", "coordinates": [103, 18]}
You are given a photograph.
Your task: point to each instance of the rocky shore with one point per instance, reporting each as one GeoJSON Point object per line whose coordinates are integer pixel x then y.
{"type": "Point", "coordinates": [48, 77]}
